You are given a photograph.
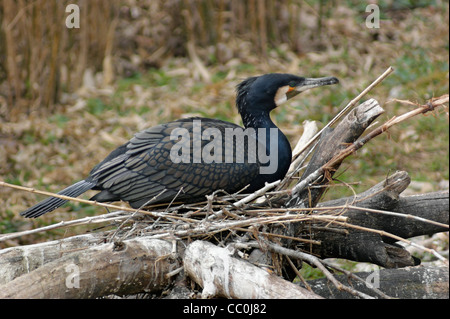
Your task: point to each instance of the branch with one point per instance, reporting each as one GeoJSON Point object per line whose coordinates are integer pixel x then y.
{"type": "Point", "coordinates": [318, 168]}
{"type": "Point", "coordinates": [332, 143]}
{"type": "Point", "coordinates": [16, 261]}
{"type": "Point", "coordinates": [370, 235]}
{"type": "Point", "coordinates": [219, 274]}
{"type": "Point", "coordinates": [421, 109]}
{"type": "Point", "coordinates": [405, 283]}
{"type": "Point", "coordinates": [121, 268]}
{"type": "Point", "coordinates": [351, 104]}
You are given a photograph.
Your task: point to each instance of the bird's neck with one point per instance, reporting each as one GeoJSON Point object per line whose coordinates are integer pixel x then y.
{"type": "Point", "coordinates": [257, 119]}
{"type": "Point", "coordinates": [282, 148]}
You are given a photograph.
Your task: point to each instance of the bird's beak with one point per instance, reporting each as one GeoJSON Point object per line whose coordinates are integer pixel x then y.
{"type": "Point", "coordinates": [310, 83]}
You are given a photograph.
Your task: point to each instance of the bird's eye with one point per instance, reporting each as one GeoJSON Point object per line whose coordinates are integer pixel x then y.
{"type": "Point", "coordinates": [292, 84]}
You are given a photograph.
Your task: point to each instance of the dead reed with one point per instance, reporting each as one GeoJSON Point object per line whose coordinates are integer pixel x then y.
{"type": "Point", "coordinates": [43, 57]}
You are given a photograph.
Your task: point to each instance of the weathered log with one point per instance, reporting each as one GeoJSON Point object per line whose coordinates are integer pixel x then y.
{"type": "Point", "coordinates": [406, 283]}
{"type": "Point", "coordinates": [222, 275]}
{"type": "Point", "coordinates": [432, 206]}
{"type": "Point", "coordinates": [121, 268]}
{"type": "Point", "coordinates": [331, 143]}
{"type": "Point", "coordinates": [16, 261]}
{"type": "Point", "coordinates": [359, 245]}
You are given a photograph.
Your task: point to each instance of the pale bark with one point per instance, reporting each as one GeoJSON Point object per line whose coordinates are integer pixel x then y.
{"type": "Point", "coordinates": [121, 268]}
{"type": "Point", "coordinates": [220, 274]}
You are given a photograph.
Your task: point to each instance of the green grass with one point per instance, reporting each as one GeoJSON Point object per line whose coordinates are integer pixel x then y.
{"type": "Point", "coordinates": [310, 273]}
{"type": "Point", "coordinates": [96, 106]}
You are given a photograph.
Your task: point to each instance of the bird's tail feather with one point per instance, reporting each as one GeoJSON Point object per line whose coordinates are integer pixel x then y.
{"type": "Point", "coordinates": [53, 203]}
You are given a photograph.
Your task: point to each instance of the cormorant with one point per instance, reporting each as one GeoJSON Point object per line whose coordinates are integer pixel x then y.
{"type": "Point", "coordinates": [190, 158]}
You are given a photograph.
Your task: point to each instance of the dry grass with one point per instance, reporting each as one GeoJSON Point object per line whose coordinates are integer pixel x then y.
{"type": "Point", "coordinates": [157, 80]}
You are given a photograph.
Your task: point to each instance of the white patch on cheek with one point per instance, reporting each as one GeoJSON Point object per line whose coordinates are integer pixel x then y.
{"type": "Point", "coordinates": [281, 96]}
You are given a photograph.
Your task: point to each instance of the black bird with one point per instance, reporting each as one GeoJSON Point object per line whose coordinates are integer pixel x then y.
{"type": "Point", "coordinates": [151, 169]}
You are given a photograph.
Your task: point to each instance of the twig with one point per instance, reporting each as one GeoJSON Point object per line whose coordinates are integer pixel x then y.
{"type": "Point", "coordinates": [351, 104]}
{"type": "Point", "coordinates": [95, 203]}
{"type": "Point", "coordinates": [298, 274]}
{"type": "Point", "coordinates": [352, 275]}
{"type": "Point", "coordinates": [398, 238]}
{"type": "Point", "coordinates": [269, 235]}
{"type": "Point", "coordinates": [83, 221]}
{"type": "Point", "coordinates": [247, 199]}
{"type": "Point", "coordinates": [210, 229]}
{"type": "Point", "coordinates": [313, 260]}
{"type": "Point", "coordinates": [421, 109]}
{"type": "Point", "coordinates": [330, 209]}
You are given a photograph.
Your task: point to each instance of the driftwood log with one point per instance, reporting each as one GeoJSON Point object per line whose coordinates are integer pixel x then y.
{"type": "Point", "coordinates": [332, 142]}
{"type": "Point", "coordinates": [361, 245]}
{"type": "Point", "coordinates": [405, 283]}
{"type": "Point", "coordinates": [228, 252]}
{"type": "Point", "coordinates": [222, 275]}
{"type": "Point", "coordinates": [120, 268]}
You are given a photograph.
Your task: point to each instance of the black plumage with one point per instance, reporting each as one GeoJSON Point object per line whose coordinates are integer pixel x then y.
{"type": "Point", "coordinates": [143, 172]}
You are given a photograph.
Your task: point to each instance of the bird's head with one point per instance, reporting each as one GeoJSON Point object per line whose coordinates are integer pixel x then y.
{"type": "Point", "coordinates": [266, 92]}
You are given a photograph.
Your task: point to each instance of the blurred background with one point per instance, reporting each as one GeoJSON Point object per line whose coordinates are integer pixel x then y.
{"type": "Point", "coordinates": [69, 96]}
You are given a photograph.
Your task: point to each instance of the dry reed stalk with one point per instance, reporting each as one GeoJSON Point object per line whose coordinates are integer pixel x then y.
{"type": "Point", "coordinates": [261, 7]}
{"type": "Point", "coordinates": [38, 44]}
{"type": "Point", "coordinates": [219, 31]}
{"type": "Point", "coordinates": [9, 20]}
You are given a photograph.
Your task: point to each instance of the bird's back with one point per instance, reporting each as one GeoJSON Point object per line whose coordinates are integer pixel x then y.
{"type": "Point", "coordinates": [182, 160]}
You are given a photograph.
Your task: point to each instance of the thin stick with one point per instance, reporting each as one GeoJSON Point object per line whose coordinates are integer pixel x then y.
{"type": "Point", "coordinates": [398, 238]}
{"type": "Point", "coordinates": [269, 235]}
{"type": "Point", "coordinates": [83, 221]}
{"type": "Point", "coordinates": [298, 274]}
{"type": "Point", "coordinates": [248, 198]}
{"type": "Point", "coordinates": [421, 109]}
{"type": "Point", "coordinates": [313, 260]}
{"type": "Point", "coordinates": [351, 104]}
{"type": "Point", "coordinates": [95, 203]}
{"type": "Point", "coordinates": [333, 208]}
